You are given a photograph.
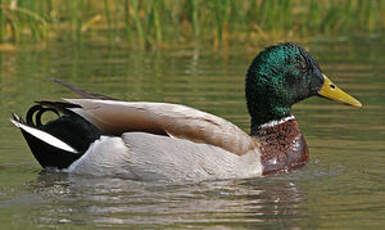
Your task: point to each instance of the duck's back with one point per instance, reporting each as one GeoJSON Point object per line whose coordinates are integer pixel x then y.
{"type": "Point", "coordinates": [177, 121]}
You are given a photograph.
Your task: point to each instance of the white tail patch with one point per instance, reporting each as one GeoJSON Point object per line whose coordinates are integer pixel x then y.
{"type": "Point", "coordinates": [46, 137]}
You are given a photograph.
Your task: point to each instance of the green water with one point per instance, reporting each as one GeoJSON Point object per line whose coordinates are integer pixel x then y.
{"type": "Point", "coordinates": [343, 187]}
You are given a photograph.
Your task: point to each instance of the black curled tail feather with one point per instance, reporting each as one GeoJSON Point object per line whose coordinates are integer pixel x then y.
{"type": "Point", "coordinates": [39, 110]}
{"type": "Point", "coordinates": [68, 128]}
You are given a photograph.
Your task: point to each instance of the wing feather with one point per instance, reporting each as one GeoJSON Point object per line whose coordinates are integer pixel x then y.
{"type": "Point", "coordinates": [178, 121]}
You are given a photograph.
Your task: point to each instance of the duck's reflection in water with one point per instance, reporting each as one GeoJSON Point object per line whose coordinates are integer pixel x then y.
{"type": "Point", "coordinates": [114, 201]}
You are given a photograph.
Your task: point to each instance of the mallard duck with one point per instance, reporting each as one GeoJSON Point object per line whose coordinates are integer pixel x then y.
{"type": "Point", "coordinates": [102, 136]}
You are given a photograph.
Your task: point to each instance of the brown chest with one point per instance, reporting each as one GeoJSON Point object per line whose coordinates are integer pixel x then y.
{"type": "Point", "coordinates": [283, 147]}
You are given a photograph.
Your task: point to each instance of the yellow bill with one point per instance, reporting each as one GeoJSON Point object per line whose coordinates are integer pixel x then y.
{"type": "Point", "coordinates": [332, 92]}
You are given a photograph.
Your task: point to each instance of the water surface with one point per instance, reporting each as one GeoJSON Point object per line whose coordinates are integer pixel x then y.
{"type": "Point", "coordinates": [343, 187]}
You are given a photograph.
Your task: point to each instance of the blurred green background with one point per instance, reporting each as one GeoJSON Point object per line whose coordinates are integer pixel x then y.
{"type": "Point", "coordinates": [156, 23]}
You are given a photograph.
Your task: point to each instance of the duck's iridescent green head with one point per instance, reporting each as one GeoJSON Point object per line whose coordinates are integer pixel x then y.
{"type": "Point", "coordinates": [283, 75]}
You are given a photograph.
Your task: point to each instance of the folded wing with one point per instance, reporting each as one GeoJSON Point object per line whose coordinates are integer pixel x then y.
{"type": "Point", "coordinates": [177, 121]}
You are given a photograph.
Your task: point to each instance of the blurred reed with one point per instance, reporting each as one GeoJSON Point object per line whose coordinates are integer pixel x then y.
{"type": "Point", "coordinates": [17, 17]}
{"type": "Point", "coordinates": [144, 23]}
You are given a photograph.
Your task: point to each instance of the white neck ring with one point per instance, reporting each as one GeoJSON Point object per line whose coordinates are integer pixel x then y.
{"type": "Point", "coordinates": [276, 122]}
